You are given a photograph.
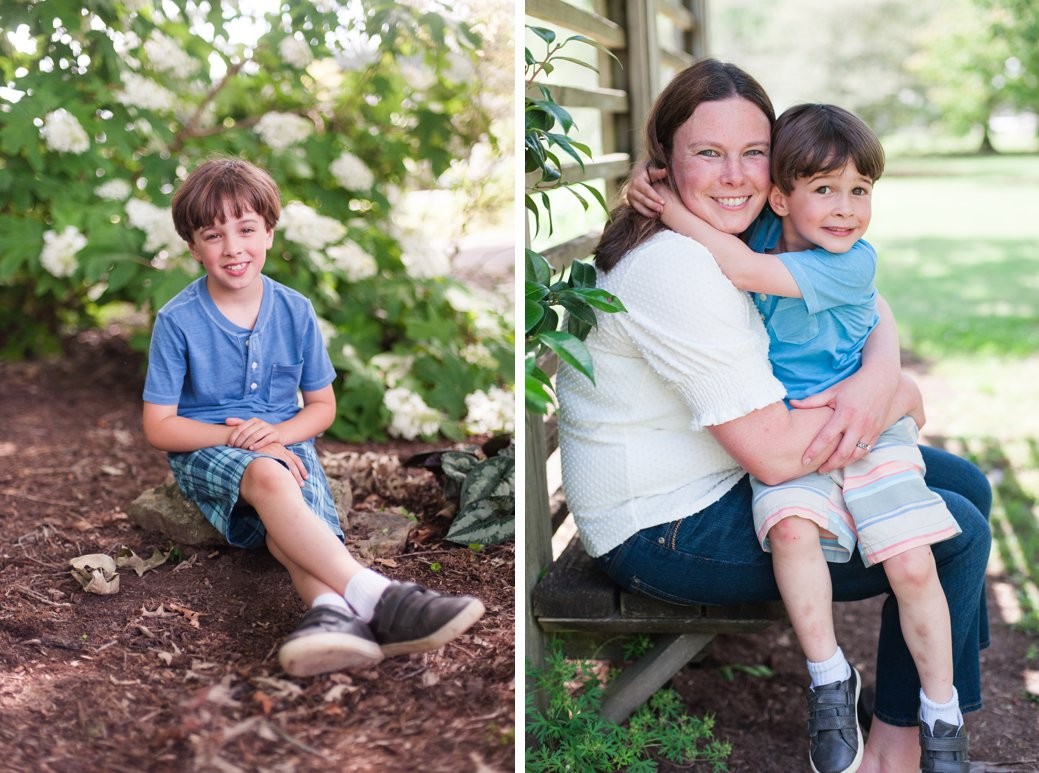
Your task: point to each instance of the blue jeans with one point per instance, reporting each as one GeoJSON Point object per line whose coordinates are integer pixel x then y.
{"type": "Point", "coordinates": [713, 557]}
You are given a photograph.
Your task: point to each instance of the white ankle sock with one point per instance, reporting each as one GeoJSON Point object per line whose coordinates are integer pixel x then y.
{"type": "Point", "coordinates": [834, 669]}
{"type": "Point", "coordinates": [363, 591]}
{"type": "Point", "coordinates": [329, 600]}
{"type": "Point", "coordinates": [930, 712]}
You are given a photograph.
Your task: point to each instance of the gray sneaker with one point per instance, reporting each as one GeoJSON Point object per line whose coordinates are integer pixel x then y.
{"type": "Point", "coordinates": [833, 727]}
{"type": "Point", "coordinates": [944, 750]}
{"type": "Point", "coordinates": [328, 639]}
{"type": "Point", "coordinates": [410, 618]}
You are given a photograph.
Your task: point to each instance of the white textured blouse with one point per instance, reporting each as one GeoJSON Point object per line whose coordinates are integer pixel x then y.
{"type": "Point", "coordinates": [690, 352]}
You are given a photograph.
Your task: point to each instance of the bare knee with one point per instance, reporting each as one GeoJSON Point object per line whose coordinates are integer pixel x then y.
{"type": "Point", "coordinates": [793, 534]}
{"type": "Point", "coordinates": [264, 476]}
{"type": "Point", "coordinates": [911, 570]}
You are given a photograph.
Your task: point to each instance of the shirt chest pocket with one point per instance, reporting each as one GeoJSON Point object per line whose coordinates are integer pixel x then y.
{"type": "Point", "coordinates": [791, 323]}
{"type": "Point", "coordinates": [284, 383]}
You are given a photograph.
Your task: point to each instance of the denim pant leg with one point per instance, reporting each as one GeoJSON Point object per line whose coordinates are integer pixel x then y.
{"type": "Point", "coordinates": [947, 472]}
{"type": "Point", "coordinates": [710, 557]}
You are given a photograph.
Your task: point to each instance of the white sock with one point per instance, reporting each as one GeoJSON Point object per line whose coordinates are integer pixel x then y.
{"type": "Point", "coordinates": [363, 591]}
{"type": "Point", "coordinates": [949, 712]}
{"type": "Point", "coordinates": [834, 669]}
{"type": "Point", "coordinates": [329, 600]}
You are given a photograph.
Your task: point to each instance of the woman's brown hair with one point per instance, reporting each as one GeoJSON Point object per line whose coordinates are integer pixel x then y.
{"type": "Point", "coordinates": [221, 185]}
{"type": "Point", "coordinates": [706, 81]}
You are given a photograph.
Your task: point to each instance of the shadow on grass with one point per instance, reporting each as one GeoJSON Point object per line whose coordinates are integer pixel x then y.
{"type": "Point", "coordinates": [963, 296]}
{"type": "Point", "coordinates": [1012, 467]}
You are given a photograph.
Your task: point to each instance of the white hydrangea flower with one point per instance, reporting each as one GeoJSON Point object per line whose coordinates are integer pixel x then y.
{"type": "Point", "coordinates": [63, 133]}
{"type": "Point", "coordinates": [304, 226]}
{"type": "Point", "coordinates": [351, 260]}
{"type": "Point", "coordinates": [157, 223]}
{"type": "Point", "coordinates": [59, 250]}
{"type": "Point", "coordinates": [416, 72]}
{"type": "Point", "coordinates": [460, 69]}
{"type": "Point", "coordinates": [295, 51]}
{"type": "Point", "coordinates": [142, 92]}
{"type": "Point", "coordinates": [283, 130]}
{"type": "Point", "coordinates": [352, 173]}
{"type": "Point", "coordinates": [412, 418]}
{"type": "Point", "coordinates": [357, 53]}
{"type": "Point", "coordinates": [490, 411]}
{"type": "Point", "coordinates": [477, 354]}
{"type": "Point", "coordinates": [114, 190]}
{"type": "Point", "coordinates": [424, 256]}
{"type": "Point", "coordinates": [166, 55]}
{"type": "Point", "coordinates": [391, 367]}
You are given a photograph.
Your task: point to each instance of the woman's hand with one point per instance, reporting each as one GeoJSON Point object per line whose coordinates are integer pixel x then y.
{"type": "Point", "coordinates": [640, 193]}
{"type": "Point", "coordinates": [251, 434]}
{"type": "Point", "coordinates": [861, 413]}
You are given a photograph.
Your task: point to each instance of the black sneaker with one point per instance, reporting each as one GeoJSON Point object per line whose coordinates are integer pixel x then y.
{"type": "Point", "coordinates": [410, 618]}
{"type": "Point", "coordinates": [944, 750]}
{"type": "Point", "coordinates": [328, 639]}
{"type": "Point", "coordinates": [835, 737]}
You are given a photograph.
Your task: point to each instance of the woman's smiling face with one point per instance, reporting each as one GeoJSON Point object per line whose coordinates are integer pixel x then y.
{"type": "Point", "coordinates": [719, 163]}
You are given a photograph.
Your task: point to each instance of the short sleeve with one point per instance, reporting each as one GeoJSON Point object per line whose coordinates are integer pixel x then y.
{"type": "Point", "coordinates": [167, 363]}
{"type": "Point", "coordinates": [697, 331]}
{"type": "Point", "coordinates": [317, 365]}
{"type": "Point", "coordinates": [828, 279]}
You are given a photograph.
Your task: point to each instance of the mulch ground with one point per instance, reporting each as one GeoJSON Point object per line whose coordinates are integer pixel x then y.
{"type": "Point", "coordinates": [178, 670]}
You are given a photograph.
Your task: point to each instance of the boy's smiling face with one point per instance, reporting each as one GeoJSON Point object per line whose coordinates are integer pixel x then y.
{"type": "Point", "coordinates": [831, 210]}
{"type": "Point", "coordinates": [233, 252]}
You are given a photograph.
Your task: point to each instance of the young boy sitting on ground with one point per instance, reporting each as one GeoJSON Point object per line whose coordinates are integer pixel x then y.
{"type": "Point", "coordinates": [228, 356]}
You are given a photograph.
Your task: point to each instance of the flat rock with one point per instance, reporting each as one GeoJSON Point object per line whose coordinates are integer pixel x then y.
{"type": "Point", "coordinates": [165, 509]}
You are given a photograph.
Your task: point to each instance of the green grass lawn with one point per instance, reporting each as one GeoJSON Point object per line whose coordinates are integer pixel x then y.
{"type": "Point", "coordinates": [958, 240]}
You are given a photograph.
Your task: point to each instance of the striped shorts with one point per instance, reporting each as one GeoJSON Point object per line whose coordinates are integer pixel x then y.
{"type": "Point", "coordinates": [880, 503]}
{"type": "Point", "coordinates": [211, 478]}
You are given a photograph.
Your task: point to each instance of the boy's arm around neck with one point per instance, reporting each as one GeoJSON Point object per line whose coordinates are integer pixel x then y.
{"type": "Point", "coordinates": [751, 271]}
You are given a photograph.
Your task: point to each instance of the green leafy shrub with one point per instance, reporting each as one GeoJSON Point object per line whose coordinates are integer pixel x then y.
{"type": "Point", "coordinates": [354, 109]}
{"type": "Point", "coordinates": [572, 735]}
{"type": "Point", "coordinates": [573, 290]}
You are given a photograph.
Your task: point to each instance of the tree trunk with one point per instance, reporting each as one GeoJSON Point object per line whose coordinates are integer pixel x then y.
{"type": "Point", "coordinates": [986, 147]}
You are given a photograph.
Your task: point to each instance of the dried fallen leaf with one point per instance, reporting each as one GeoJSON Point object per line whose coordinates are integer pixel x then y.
{"type": "Point", "coordinates": [334, 694]}
{"type": "Point", "coordinates": [281, 688]}
{"type": "Point", "coordinates": [430, 679]}
{"type": "Point", "coordinates": [96, 572]}
{"type": "Point", "coordinates": [266, 704]}
{"type": "Point", "coordinates": [82, 525]}
{"type": "Point", "coordinates": [126, 557]}
{"type": "Point", "coordinates": [190, 614]}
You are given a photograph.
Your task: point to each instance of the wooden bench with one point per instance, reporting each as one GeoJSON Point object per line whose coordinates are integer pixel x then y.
{"type": "Point", "coordinates": [569, 595]}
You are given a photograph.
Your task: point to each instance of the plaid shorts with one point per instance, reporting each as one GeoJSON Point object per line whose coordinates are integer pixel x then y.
{"type": "Point", "coordinates": [880, 502]}
{"type": "Point", "coordinates": [211, 478]}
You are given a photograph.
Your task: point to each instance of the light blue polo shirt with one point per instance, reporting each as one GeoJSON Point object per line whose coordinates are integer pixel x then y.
{"type": "Point", "coordinates": [211, 368]}
{"type": "Point", "coordinates": [817, 340]}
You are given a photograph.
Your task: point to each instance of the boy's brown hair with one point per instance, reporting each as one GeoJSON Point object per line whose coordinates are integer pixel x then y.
{"type": "Point", "coordinates": [224, 185]}
{"type": "Point", "coordinates": [813, 139]}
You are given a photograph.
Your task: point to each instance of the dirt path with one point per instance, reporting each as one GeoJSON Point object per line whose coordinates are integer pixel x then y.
{"type": "Point", "coordinates": [177, 671]}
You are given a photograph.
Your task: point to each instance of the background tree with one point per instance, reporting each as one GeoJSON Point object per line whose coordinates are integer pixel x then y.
{"type": "Point", "coordinates": [964, 67]}
{"type": "Point", "coordinates": [106, 107]}
{"type": "Point", "coordinates": [1016, 24]}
